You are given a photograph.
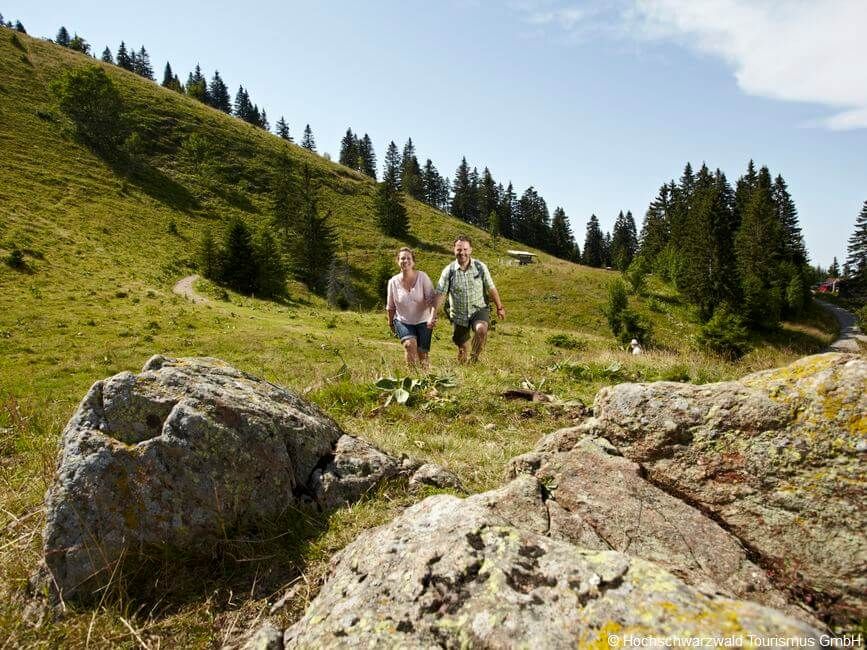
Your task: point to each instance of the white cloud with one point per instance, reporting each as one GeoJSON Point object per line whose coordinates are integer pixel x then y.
{"type": "Point", "coordinates": [797, 50]}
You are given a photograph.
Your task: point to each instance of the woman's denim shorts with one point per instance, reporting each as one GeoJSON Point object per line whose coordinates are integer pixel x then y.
{"type": "Point", "coordinates": [421, 333]}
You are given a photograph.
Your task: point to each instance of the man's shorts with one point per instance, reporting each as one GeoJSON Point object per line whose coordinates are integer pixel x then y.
{"type": "Point", "coordinates": [462, 334]}
{"type": "Point", "coordinates": [421, 333]}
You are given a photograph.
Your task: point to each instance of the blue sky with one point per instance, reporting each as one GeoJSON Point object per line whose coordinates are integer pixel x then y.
{"type": "Point", "coordinates": [595, 104]}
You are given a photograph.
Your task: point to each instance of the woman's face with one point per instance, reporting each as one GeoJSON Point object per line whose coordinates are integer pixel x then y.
{"type": "Point", "coordinates": [405, 261]}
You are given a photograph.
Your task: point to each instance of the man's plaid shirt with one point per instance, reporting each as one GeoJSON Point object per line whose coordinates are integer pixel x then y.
{"type": "Point", "coordinates": [467, 291]}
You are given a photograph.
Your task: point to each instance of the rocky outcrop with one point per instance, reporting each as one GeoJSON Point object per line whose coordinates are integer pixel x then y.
{"type": "Point", "coordinates": [183, 453]}
{"type": "Point", "coordinates": [776, 458]}
{"type": "Point", "coordinates": [479, 572]}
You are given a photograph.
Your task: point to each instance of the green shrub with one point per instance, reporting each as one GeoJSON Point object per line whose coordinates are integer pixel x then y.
{"type": "Point", "coordinates": [566, 342]}
{"type": "Point", "coordinates": [616, 305]}
{"type": "Point", "coordinates": [15, 259]}
{"type": "Point", "coordinates": [634, 326]}
{"type": "Point", "coordinates": [725, 334]}
{"type": "Point", "coordinates": [637, 273]}
{"type": "Point", "coordinates": [862, 317]}
{"type": "Point", "coordinates": [88, 97]}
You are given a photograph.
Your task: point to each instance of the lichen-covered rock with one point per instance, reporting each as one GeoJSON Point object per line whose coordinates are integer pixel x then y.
{"type": "Point", "coordinates": [774, 457]}
{"type": "Point", "coordinates": [435, 476]}
{"type": "Point", "coordinates": [600, 500]}
{"type": "Point", "coordinates": [456, 573]}
{"type": "Point", "coordinates": [182, 453]}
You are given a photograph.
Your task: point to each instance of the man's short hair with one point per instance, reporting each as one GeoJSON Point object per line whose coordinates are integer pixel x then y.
{"type": "Point", "coordinates": [463, 238]}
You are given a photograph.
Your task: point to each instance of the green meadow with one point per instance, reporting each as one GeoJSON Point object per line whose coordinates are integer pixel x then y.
{"type": "Point", "coordinates": [103, 247]}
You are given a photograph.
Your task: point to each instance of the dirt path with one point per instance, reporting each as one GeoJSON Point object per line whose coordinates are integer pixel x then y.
{"type": "Point", "coordinates": [850, 333]}
{"type": "Point", "coordinates": [184, 287]}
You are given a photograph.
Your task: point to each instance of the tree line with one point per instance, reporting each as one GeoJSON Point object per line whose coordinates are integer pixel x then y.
{"type": "Point", "coordinates": [737, 250]}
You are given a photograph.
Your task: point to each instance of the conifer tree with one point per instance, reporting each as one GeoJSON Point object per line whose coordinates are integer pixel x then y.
{"type": "Point", "coordinates": [282, 129]}
{"type": "Point", "coordinates": [79, 44]}
{"type": "Point", "coordinates": [533, 220]}
{"type": "Point", "coordinates": [239, 269]}
{"type": "Point", "coordinates": [307, 140]}
{"type": "Point", "coordinates": [606, 250]}
{"type": "Point", "coordinates": [656, 231]}
{"type": "Point", "coordinates": [506, 210]}
{"type": "Point", "coordinates": [315, 240]}
{"type": "Point", "coordinates": [473, 205]}
{"type": "Point", "coordinates": [62, 37]}
{"type": "Point", "coordinates": [856, 251]}
{"type": "Point", "coordinates": [743, 192]}
{"type": "Point", "coordinates": [391, 212]}
{"type": "Point", "coordinates": [793, 249]}
{"type": "Point", "coordinates": [562, 241]}
{"type": "Point", "coordinates": [488, 199]}
{"type": "Point", "coordinates": [834, 269]}
{"type": "Point", "coordinates": [218, 94]}
{"type": "Point", "coordinates": [285, 206]}
{"type": "Point", "coordinates": [197, 87]}
{"type": "Point", "coordinates": [461, 192]}
{"type": "Point", "coordinates": [367, 157]}
{"type": "Point", "coordinates": [593, 243]}
{"type": "Point", "coordinates": [106, 55]}
{"type": "Point", "coordinates": [123, 59]}
{"type": "Point", "coordinates": [410, 172]}
{"type": "Point", "coordinates": [208, 257]}
{"type": "Point", "coordinates": [168, 75]}
{"type": "Point", "coordinates": [270, 271]}
{"type": "Point", "coordinates": [19, 27]}
{"type": "Point", "coordinates": [142, 65]}
{"type": "Point", "coordinates": [621, 244]}
{"type": "Point", "coordinates": [243, 108]}
{"type": "Point", "coordinates": [349, 150]}
{"type": "Point", "coordinates": [263, 121]}
{"type": "Point", "coordinates": [431, 181]}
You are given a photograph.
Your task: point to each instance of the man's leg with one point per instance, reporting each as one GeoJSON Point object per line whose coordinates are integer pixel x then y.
{"type": "Point", "coordinates": [479, 338]}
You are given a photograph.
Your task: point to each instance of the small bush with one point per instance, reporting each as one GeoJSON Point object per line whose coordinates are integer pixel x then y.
{"type": "Point", "coordinates": [634, 326]}
{"type": "Point", "coordinates": [862, 317]}
{"type": "Point", "coordinates": [566, 342]}
{"type": "Point", "coordinates": [616, 305]}
{"type": "Point", "coordinates": [636, 274]}
{"type": "Point", "coordinates": [725, 334]}
{"type": "Point", "coordinates": [15, 259]}
{"type": "Point", "coordinates": [172, 228]}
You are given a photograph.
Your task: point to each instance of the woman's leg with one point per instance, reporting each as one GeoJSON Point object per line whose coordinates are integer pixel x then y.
{"type": "Point", "coordinates": [410, 351]}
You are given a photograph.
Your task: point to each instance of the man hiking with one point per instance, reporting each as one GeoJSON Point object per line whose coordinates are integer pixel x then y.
{"type": "Point", "coordinates": [468, 282]}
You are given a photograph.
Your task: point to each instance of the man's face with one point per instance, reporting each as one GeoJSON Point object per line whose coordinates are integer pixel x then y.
{"type": "Point", "coordinates": [462, 252]}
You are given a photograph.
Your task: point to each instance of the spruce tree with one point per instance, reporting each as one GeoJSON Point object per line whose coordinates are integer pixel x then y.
{"type": "Point", "coordinates": [606, 250]}
{"type": "Point", "coordinates": [856, 252]}
{"type": "Point", "coordinates": [143, 64]}
{"type": "Point", "coordinates": [431, 181]}
{"type": "Point", "coordinates": [123, 59]}
{"type": "Point", "coordinates": [461, 192]}
{"type": "Point", "coordinates": [78, 44]}
{"type": "Point", "coordinates": [270, 271]}
{"type": "Point", "coordinates": [621, 253]}
{"type": "Point", "coordinates": [285, 206]}
{"type": "Point", "coordinates": [218, 94]}
{"type": "Point", "coordinates": [656, 231]}
{"type": "Point", "coordinates": [562, 240]}
{"type": "Point", "coordinates": [506, 210]}
{"type": "Point", "coordinates": [307, 140]}
{"type": "Point", "coordinates": [834, 269]}
{"type": "Point", "coordinates": [488, 198]}
{"type": "Point", "coordinates": [239, 269]}
{"type": "Point", "coordinates": [593, 243]}
{"type": "Point", "coordinates": [168, 75]}
{"type": "Point", "coordinates": [282, 129]}
{"type": "Point", "coordinates": [243, 107]}
{"type": "Point", "coordinates": [367, 156]}
{"type": "Point", "coordinates": [793, 249]}
{"type": "Point", "coordinates": [208, 257]}
{"type": "Point", "coordinates": [19, 27]}
{"type": "Point", "coordinates": [106, 55]}
{"type": "Point", "coordinates": [62, 37]}
{"type": "Point", "coordinates": [533, 220]}
{"type": "Point", "coordinates": [263, 121]}
{"type": "Point", "coordinates": [473, 194]}
{"type": "Point", "coordinates": [391, 212]}
{"type": "Point", "coordinates": [410, 172]}
{"type": "Point", "coordinates": [315, 240]}
{"type": "Point", "coordinates": [197, 87]}
{"type": "Point", "coordinates": [349, 150]}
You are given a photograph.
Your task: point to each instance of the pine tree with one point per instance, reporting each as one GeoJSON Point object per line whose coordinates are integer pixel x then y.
{"type": "Point", "coordinates": [793, 241]}
{"type": "Point", "coordinates": [197, 87]}
{"type": "Point", "coordinates": [19, 27]}
{"type": "Point", "coordinates": [410, 172]}
{"type": "Point", "coordinates": [593, 243]}
{"type": "Point", "coordinates": [431, 182]}
{"type": "Point", "coordinates": [307, 140]}
{"type": "Point", "coordinates": [78, 44]}
{"type": "Point", "coordinates": [168, 75]}
{"type": "Point", "coordinates": [533, 220]}
{"type": "Point", "coordinates": [143, 64]}
{"type": "Point", "coordinates": [856, 252]}
{"type": "Point", "coordinates": [218, 94]}
{"type": "Point", "coordinates": [106, 55]}
{"type": "Point", "coordinates": [282, 129]}
{"type": "Point", "coordinates": [834, 269]}
{"type": "Point", "coordinates": [391, 212]}
{"type": "Point", "coordinates": [488, 198]}
{"type": "Point", "coordinates": [621, 252]}
{"type": "Point", "coordinates": [506, 210]}
{"type": "Point", "coordinates": [285, 206]}
{"type": "Point", "coordinates": [461, 192]}
{"type": "Point", "coordinates": [743, 192]}
{"type": "Point", "coordinates": [349, 149]}
{"type": "Point", "coordinates": [62, 37]}
{"type": "Point", "coordinates": [562, 240]}
{"type": "Point", "coordinates": [271, 273]}
{"type": "Point", "coordinates": [367, 156]}
{"type": "Point", "coordinates": [208, 257]}
{"type": "Point", "coordinates": [315, 240]}
{"type": "Point", "coordinates": [656, 231]}
{"type": "Point", "coordinates": [473, 194]}
{"type": "Point", "coordinates": [123, 59]}
{"type": "Point", "coordinates": [243, 107]}
{"type": "Point", "coordinates": [263, 121]}
{"type": "Point", "coordinates": [239, 269]}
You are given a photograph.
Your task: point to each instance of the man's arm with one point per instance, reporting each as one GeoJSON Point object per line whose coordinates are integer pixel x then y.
{"type": "Point", "coordinates": [501, 310]}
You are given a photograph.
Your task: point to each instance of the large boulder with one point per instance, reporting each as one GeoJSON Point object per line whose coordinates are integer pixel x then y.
{"type": "Point", "coordinates": [777, 458]}
{"type": "Point", "coordinates": [182, 453]}
{"type": "Point", "coordinates": [478, 572]}
{"type": "Point", "coordinates": [597, 499]}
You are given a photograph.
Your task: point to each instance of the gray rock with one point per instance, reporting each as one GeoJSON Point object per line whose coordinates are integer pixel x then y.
{"type": "Point", "coordinates": [265, 637]}
{"type": "Point", "coordinates": [800, 507]}
{"type": "Point", "coordinates": [436, 476]}
{"type": "Point", "coordinates": [179, 455]}
{"type": "Point", "coordinates": [455, 573]}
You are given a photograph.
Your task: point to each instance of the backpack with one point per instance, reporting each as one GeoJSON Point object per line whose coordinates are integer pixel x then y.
{"type": "Point", "coordinates": [447, 307]}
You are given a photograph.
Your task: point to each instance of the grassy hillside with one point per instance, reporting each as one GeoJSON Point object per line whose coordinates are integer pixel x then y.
{"type": "Point", "coordinates": [95, 298]}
